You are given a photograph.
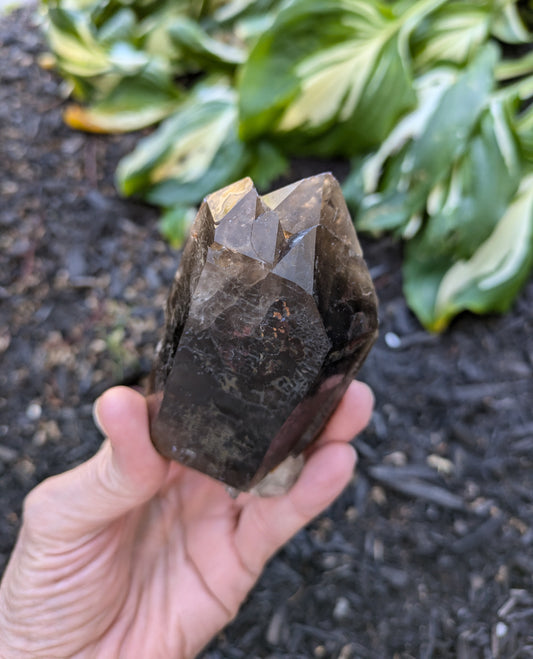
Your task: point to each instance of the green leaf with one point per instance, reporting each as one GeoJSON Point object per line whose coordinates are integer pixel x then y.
{"type": "Point", "coordinates": [449, 127]}
{"type": "Point", "coordinates": [95, 48]}
{"type": "Point", "coordinates": [513, 68]}
{"type": "Point", "coordinates": [376, 186]}
{"type": "Point", "coordinates": [72, 40]}
{"type": "Point", "coordinates": [175, 223]}
{"type": "Point", "coordinates": [191, 153]}
{"type": "Point", "coordinates": [135, 103]}
{"type": "Point", "coordinates": [524, 127]}
{"type": "Point", "coordinates": [448, 117]}
{"type": "Point", "coordinates": [127, 60]}
{"type": "Point", "coordinates": [507, 25]}
{"type": "Point", "coordinates": [153, 33]}
{"type": "Point", "coordinates": [225, 167]}
{"type": "Point", "coordinates": [465, 216]}
{"type": "Point", "coordinates": [335, 69]}
{"type": "Point", "coordinates": [478, 190]}
{"type": "Point", "coordinates": [493, 276]}
{"type": "Point", "coordinates": [230, 10]}
{"type": "Point", "coordinates": [200, 47]}
{"type": "Point", "coordinates": [452, 34]}
{"type": "Point", "coordinates": [519, 98]}
{"type": "Point", "coordinates": [119, 27]}
{"type": "Point", "coordinates": [266, 164]}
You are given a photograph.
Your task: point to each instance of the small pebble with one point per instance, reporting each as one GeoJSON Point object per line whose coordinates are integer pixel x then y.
{"type": "Point", "coordinates": [378, 495]}
{"type": "Point", "coordinates": [98, 345]}
{"type": "Point", "coordinates": [70, 145]}
{"type": "Point", "coordinates": [275, 628]}
{"type": "Point", "coordinates": [346, 652]}
{"type": "Point", "coordinates": [9, 187]}
{"type": "Point", "coordinates": [5, 340]}
{"type": "Point", "coordinates": [501, 629]}
{"type": "Point", "coordinates": [7, 454]}
{"type": "Point", "coordinates": [396, 458]}
{"type": "Point", "coordinates": [442, 465]}
{"type": "Point", "coordinates": [329, 561]}
{"type": "Point", "coordinates": [342, 609]}
{"type": "Point", "coordinates": [393, 340]}
{"type": "Point", "coordinates": [351, 513]}
{"type": "Point", "coordinates": [24, 469]}
{"type": "Point", "coordinates": [395, 577]}
{"type": "Point", "coordinates": [34, 411]}
{"type": "Point", "coordinates": [39, 439]}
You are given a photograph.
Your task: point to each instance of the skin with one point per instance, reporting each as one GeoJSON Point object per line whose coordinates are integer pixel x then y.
{"type": "Point", "coordinates": [130, 555]}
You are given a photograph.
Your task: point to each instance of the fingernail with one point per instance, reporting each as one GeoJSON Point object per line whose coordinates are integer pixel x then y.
{"type": "Point", "coordinates": [96, 418]}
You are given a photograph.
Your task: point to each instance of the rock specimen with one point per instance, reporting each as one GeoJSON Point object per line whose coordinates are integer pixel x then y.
{"type": "Point", "coordinates": [271, 313]}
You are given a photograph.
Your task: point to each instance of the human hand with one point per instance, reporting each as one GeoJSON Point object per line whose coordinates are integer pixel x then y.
{"type": "Point", "coordinates": [130, 555]}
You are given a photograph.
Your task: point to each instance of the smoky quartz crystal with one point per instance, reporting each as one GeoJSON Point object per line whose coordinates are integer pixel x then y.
{"type": "Point", "coordinates": [271, 313]}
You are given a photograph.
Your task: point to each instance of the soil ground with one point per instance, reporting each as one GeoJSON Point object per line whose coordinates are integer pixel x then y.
{"type": "Point", "coordinates": [428, 553]}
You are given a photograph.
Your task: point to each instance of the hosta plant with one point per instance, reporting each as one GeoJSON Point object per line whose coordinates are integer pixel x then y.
{"type": "Point", "coordinates": [430, 100]}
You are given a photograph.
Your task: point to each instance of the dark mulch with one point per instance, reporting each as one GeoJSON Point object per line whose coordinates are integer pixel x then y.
{"type": "Point", "coordinates": [428, 553]}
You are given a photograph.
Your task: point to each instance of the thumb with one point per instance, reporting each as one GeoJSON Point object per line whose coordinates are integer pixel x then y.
{"type": "Point", "coordinates": [125, 473]}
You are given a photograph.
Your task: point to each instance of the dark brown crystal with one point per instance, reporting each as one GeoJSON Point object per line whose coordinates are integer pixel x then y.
{"type": "Point", "coordinates": [271, 314]}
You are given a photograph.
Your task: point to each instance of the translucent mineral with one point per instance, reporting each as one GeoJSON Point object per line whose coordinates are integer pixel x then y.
{"type": "Point", "coordinates": [271, 313]}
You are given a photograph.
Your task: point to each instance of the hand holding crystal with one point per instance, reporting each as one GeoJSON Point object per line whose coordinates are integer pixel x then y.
{"type": "Point", "coordinates": [132, 555]}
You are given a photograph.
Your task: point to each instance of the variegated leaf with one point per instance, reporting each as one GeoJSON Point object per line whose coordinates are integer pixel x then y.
{"type": "Point", "coordinates": [334, 90]}
{"type": "Point", "coordinates": [491, 278]}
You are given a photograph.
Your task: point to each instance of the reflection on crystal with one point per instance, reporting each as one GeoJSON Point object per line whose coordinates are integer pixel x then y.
{"type": "Point", "coordinates": [271, 313]}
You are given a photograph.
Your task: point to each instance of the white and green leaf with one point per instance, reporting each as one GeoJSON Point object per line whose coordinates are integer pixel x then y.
{"type": "Point", "coordinates": [153, 33]}
{"type": "Point", "coordinates": [452, 34]}
{"type": "Point", "coordinates": [334, 76]}
{"type": "Point", "coordinates": [135, 103]}
{"type": "Point", "coordinates": [491, 278]}
{"type": "Point", "coordinates": [463, 210]}
{"type": "Point", "coordinates": [332, 82]}
{"type": "Point", "coordinates": [462, 214]}
{"type": "Point", "coordinates": [74, 43]}
{"type": "Point", "coordinates": [421, 153]}
{"type": "Point", "coordinates": [515, 67]}
{"type": "Point", "coordinates": [507, 25]}
{"type": "Point", "coordinates": [202, 48]}
{"type": "Point", "coordinates": [118, 27]}
{"type": "Point", "coordinates": [192, 153]}
{"type": "Point", "coordinates": [524, 127]}
{"type": "Point", "coordinates": [429, 90]}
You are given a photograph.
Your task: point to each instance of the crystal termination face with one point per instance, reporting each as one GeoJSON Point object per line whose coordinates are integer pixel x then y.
{"type": "Point", "coordinates": [271, 313]}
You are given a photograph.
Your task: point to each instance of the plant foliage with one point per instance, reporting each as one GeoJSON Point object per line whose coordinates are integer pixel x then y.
{"type": "Point", "coordinates": [421, 95]}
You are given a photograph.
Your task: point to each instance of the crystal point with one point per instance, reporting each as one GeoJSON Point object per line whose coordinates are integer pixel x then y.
{"type": "Point", "coordinates": [271, 313]}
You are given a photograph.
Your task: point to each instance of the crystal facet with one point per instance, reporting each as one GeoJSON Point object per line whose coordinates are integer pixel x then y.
{"type": "Point", "coordinates": [271, 313]}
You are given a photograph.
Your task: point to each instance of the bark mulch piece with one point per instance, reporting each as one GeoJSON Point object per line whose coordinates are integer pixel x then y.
{"type": "Point", "coordinates": [429, 551]}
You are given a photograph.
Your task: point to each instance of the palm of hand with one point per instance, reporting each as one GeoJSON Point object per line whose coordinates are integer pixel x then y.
{"type": "Point", "coordinates": [130, 556]}
{"type": "Point", "coordinates": [158, 582]}
{"type": "Point", "coordinates": [169, 575]}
